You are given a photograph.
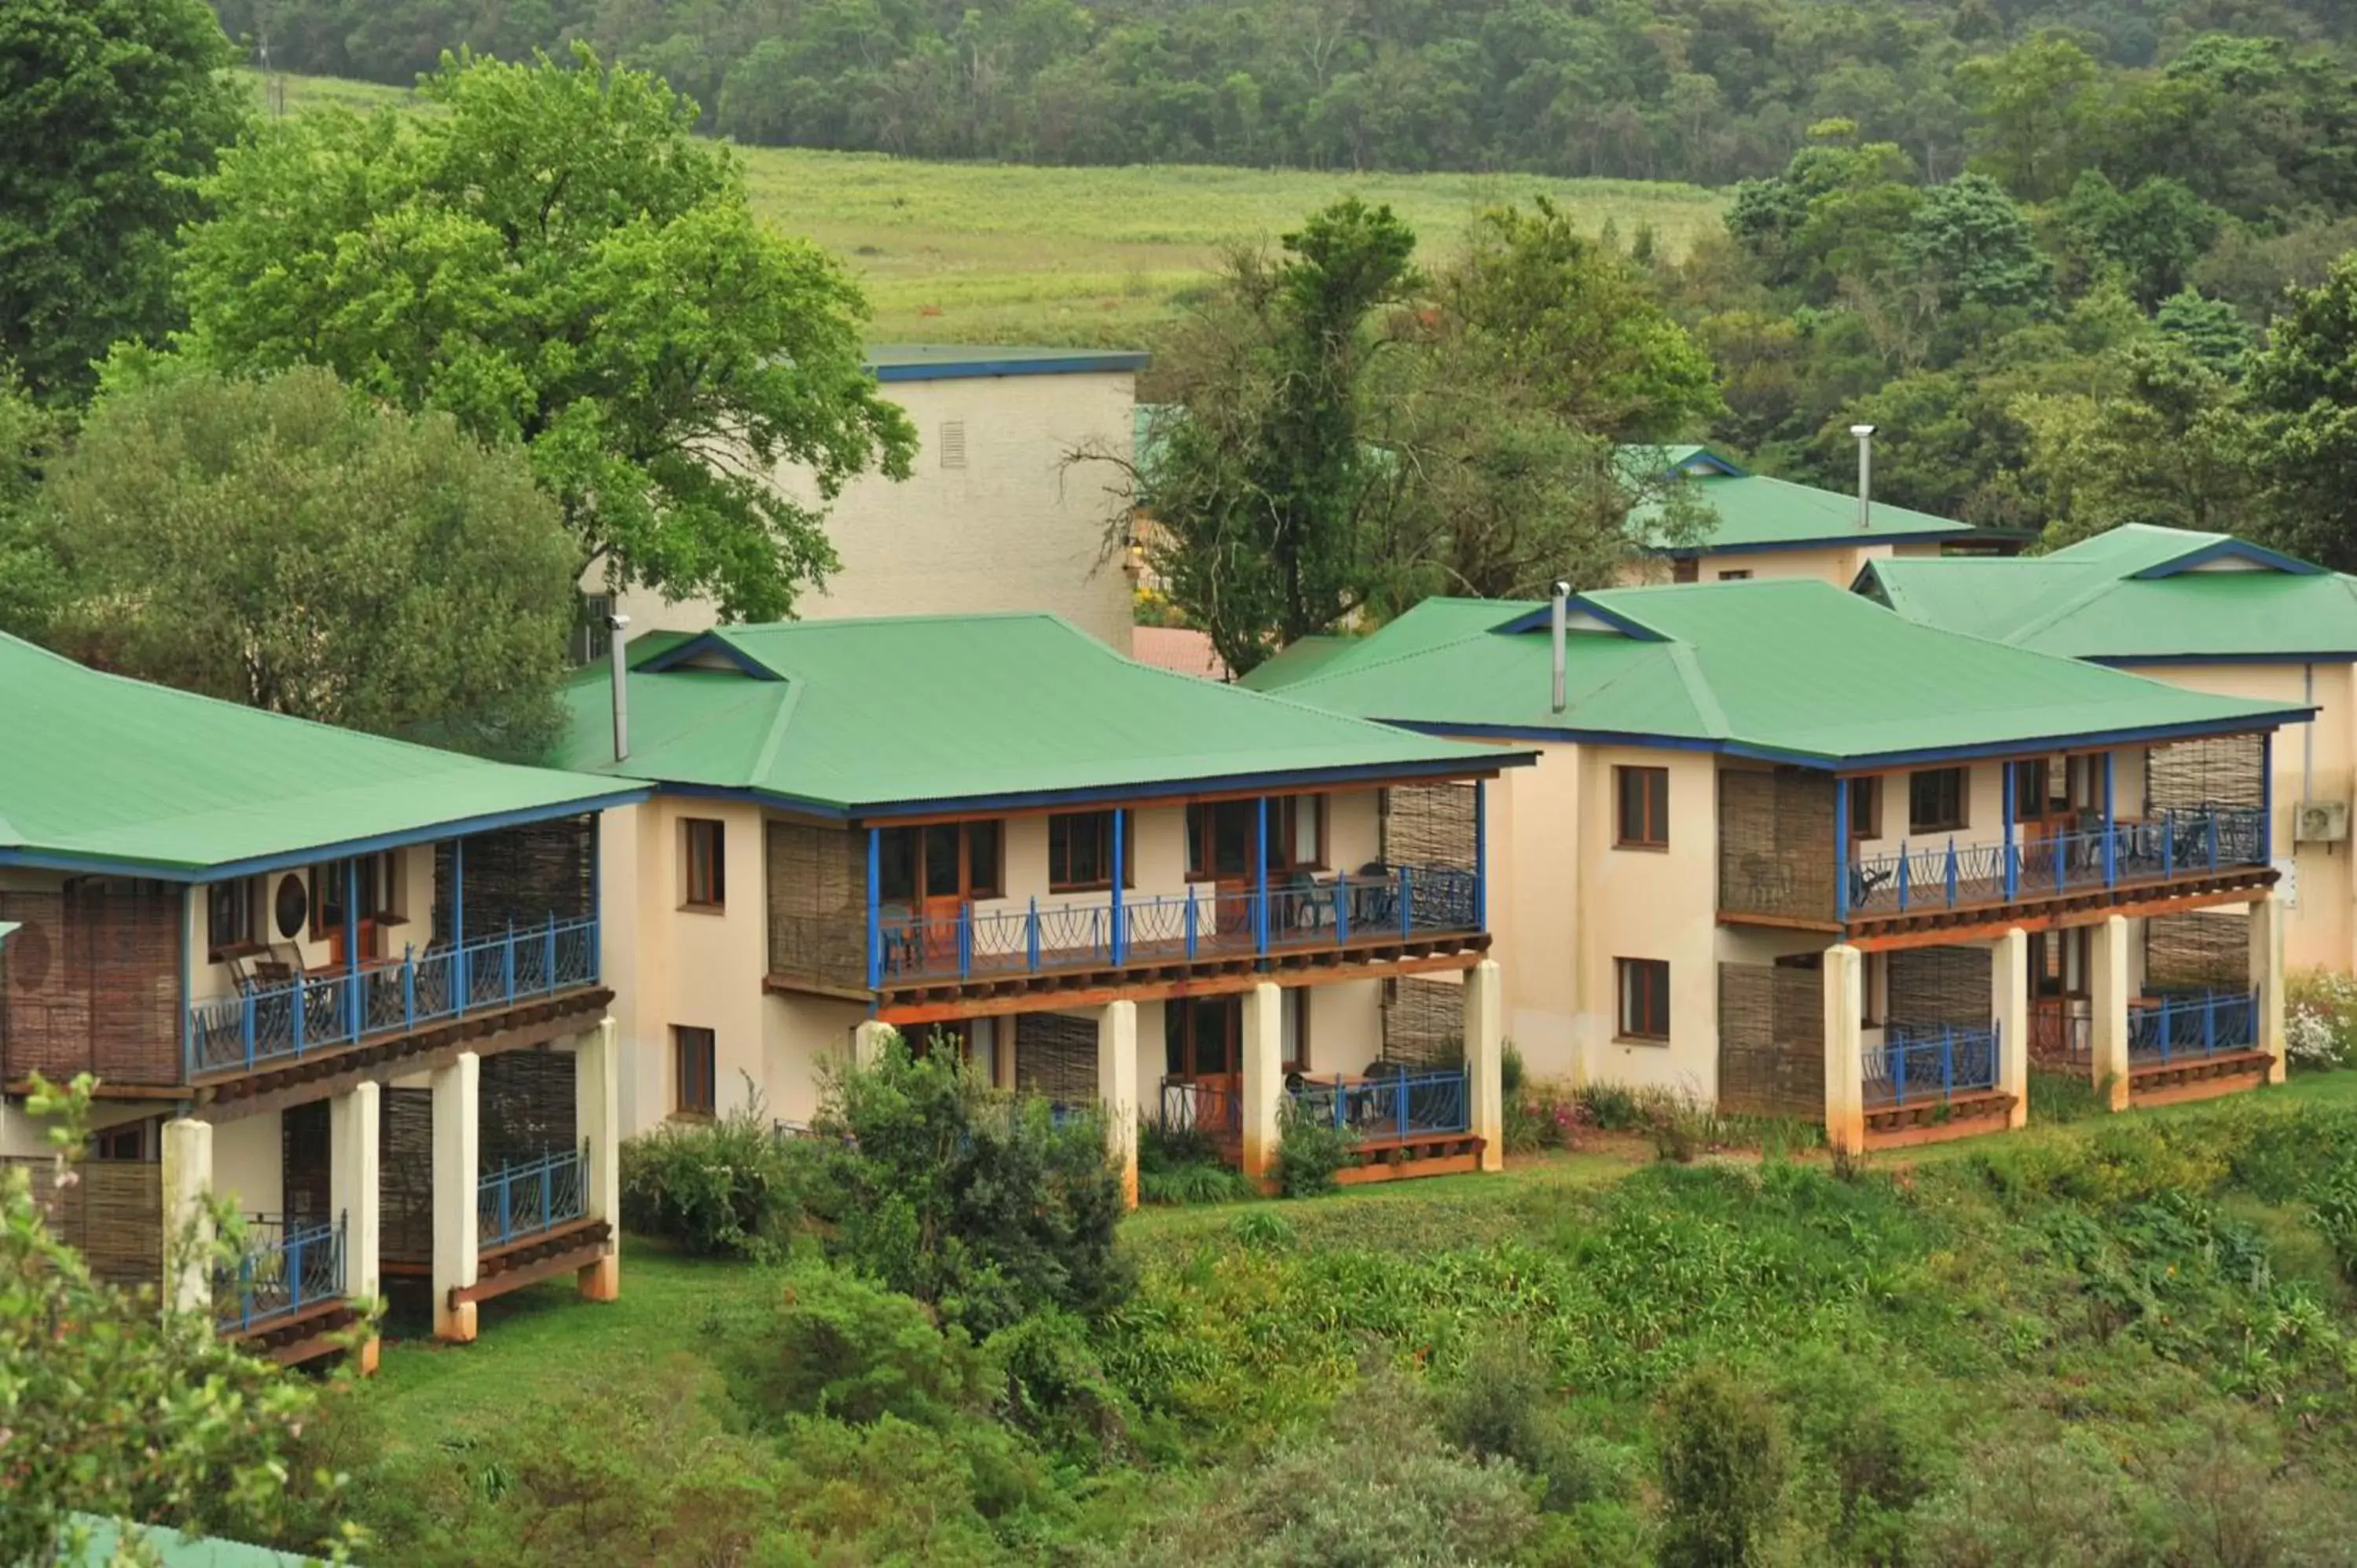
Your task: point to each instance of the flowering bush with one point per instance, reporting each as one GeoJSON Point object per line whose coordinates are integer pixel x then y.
{"type": "Point", "coordinates": [2320, 1024]}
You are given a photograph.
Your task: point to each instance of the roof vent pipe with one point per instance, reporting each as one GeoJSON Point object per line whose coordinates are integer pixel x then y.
{"type": "Point", "coordinates": [1561, 621]}
{"type": "Point", "coordinates": [620, 626]}
{"type": "Point", "coordinates": [1864, 433]}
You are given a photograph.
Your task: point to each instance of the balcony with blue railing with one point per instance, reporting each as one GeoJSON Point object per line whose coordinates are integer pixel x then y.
{"type": "Point", "coordinates": [528, 1198]}
{"type": "Point", "coordinates": [1931, 1064]}
{"type": "Point", "coordinates": [2176, 1029]}
{"type": "Point", "coordinates": [1948, 873]}
{"type": "Point", "coordinates": [1399, 1105]}
{"type": "Point", "coordinates": [282, 1272]}
{"type": "Point", "coordinates": [1404, 904]}
{"type": "Point", "coordinates": [311, 1014]}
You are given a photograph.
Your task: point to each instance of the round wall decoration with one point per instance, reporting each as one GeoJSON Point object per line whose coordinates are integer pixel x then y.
{"type": "Point", "coordinates": [291, 906]}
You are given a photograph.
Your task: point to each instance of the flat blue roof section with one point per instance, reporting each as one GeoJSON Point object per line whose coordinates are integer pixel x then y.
{"type": "Point", "coordinates": [949, 362]}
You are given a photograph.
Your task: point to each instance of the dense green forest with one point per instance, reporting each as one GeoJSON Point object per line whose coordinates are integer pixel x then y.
{"type": "Point", "coordinates": [1708, 91]}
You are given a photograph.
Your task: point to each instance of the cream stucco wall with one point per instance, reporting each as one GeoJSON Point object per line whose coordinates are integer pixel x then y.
{"type": "Point", "coordinates": [1013, 529]}
{"type": "Point", "coordinates": [2315, 761]}
{"type": "Point", "coordinates": [1836, 564]}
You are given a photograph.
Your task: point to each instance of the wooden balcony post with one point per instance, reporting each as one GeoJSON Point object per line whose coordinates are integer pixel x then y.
{"type": "Point", "coordinates": [355, 1192]}
{"type": "Point", "coordinates": [598, 1121]}
{"type": "Point", "coordinates": [1485, 1061]}
{"type": "Point", "coordinates": [2267, 937]}
{"type": "Point", "coordinates": [187, 1185]}
{"type": "Point", "coordinates": [2107, 953]}
{"type": "Point", "coordinates": [1845, 1007]}
{"type": "Point", "coordinates": [2010, 1015]}
{"type": "Point", "coordinates": [456, 1154]}
{"type": "Point", "coordinates": [1117, 1090]}
{"type": "Point", "coordinates": [1264, 1076]}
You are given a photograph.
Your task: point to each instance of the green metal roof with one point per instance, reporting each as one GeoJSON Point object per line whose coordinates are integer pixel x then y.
{"type": "Point", "coordinates": [117, 774]}
{"type": "Point", "coordinates": [2136, 593]}
{"type": "Point", "coordinates": [1790, 667]}
{"type": "Point", "coordinates": [1753, 511]}
{"type": "Point", "coordinates": [7, 928]}
{"type": "Point", "coordinates": [846, 715]}
{"type": "Point", "coordinates": [170, 1548]}
{"type": "Point", "coordinates": [952, 361]}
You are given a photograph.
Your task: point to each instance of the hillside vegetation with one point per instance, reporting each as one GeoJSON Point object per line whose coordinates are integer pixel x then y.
{"type": "Point", "coordinates": [1708, 91]}
{"type": "Point", "coordinates": [2126, 1343]}
{"type": "Point", "coordinates": [1001, 252]}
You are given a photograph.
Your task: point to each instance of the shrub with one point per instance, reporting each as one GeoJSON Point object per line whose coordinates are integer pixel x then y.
{"type": "Point", "coordinates": [728, 1186]}
{"type": "Point", "coordinates": [1613, 1107]}
{"type": "Point", "coordinates": [1724, 1466]}
{"type": "Point", "coordinates": [1538, 1114]}
{"type": "Point", "coordinates": [987, 1206]}
{"type": "Point", "coordinates": [2320, 1022]}
{"type": "Point", "coordinates": [837, 1346]}
{"type": "Point", "coordinates": [1183, 1166]}
{"type": "Point", "coordinates": [2336, 1216]}
{"type": "Point", "coordinates": [2060, 1096]}
{"type": "Point", "coordinates": [1505, 1405]}
{"type": "Point", "coordinates": [1056, 1388]}
{"type": "Point", "coordinates": [1309, 1150]}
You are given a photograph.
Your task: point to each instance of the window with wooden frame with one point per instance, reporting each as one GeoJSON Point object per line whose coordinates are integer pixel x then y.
{"type": "Point", "coordinates": [692, 1053]}
{"type": "Point", "coordinates": [126, 1141]}
{"type": "Point", "coordinates": [1644, 998]}
{"type": "Point", "coordinates": [230, 928]}
{"type": "Point", "coordinates": [379, 893]}
{"type": "Point", "coordinates": [1079, 853]}
{"type": "Point", "coordinates": [964, 861]}
{"type": "Point", "coordinates": [1297, 826]}
{"type": "Point", "coordinates": [1221, 836]}
{"type": "Point", "coordinates": [704, 858]}
{"type": "Point", "coordinates": [1935, 800]}
{"type": "Point", "coordinates": [1865, 808]}
{"type": "Point", "coordinates": [1643, 794]}
{"type": "Point", "coordinates": [1685, 569]}
{"type": "Point", "coordinates": [1743, 576]}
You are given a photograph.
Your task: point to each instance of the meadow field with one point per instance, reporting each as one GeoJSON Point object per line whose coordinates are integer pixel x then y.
{"type": "Point", "coordinates": [1000, 252]}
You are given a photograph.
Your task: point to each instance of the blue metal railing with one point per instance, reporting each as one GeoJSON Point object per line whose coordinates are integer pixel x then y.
{"type": "Point", "coordinates": [1395, 1104]}
{"type": "Point", "coordinates": [1949, 874]}
{"type": "Point", "coordinates": [1403, 903]}
{"type": "Point", "coordinates": [322, 1012]}
{"type": "Point", "coordinates": [279, 1272]}
{"type": "Point", "coordinates": [2203, 1023]}
{"type": "Point", "coordinates": [525, 1198]}
{"type": "Point", "coordinates": [1919, 1063]}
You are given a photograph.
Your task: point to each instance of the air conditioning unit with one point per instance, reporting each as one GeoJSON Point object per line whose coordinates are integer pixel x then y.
{"type": "Point", "coordinates": [2320, 822]}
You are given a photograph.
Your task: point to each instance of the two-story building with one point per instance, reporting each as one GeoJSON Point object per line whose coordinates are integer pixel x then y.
{"type": "Point", "coordinates": [995, 513]}
{"type": "Point", "coordinates": [351, 985]}
{"type": "Point", "coordinates": [2210, 613]}
{"type": "Point", "coordinates": [1756, 526]}
{"type": "Point", "coordinates": [1792, 854]}
{"type": "Point", "coordinates": [1104, 882]}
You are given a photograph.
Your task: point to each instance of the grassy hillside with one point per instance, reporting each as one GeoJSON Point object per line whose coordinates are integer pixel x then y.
{"type": "Point", "coordinates": [2124, 1341]}
{"type": "Point", "coordinates": [992, 253]}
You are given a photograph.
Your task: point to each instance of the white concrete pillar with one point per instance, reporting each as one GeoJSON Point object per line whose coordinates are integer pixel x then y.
{"type": "Point", "coordinates": [597, 1122]}
{"type": "Point", "coordinates": [1845, 1007]}
{"type": "Point", "coordinates": [1263, 1077]}
{"type": "Point", "coordinates": [1485, 1061]}
{"type": "Point", "coordinates": [187, 1184]}
{"type": "Point", "coordinates": [868, 1040]}
{"type": "Point", "coordinates": [355, 1192]}
{"type": "Point", "coordinates": [2009, 1011]}
{"type": "Point", "coordinates": [2268, 978]}
{"type": "Point", "coordinates": [457, 1175]}
{"type": "Point", "coordinates": [1117, 1090]}
{"type": "Point", "coordinates": [2107, 993]}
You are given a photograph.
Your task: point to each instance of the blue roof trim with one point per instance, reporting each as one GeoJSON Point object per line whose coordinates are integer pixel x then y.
{"type": "Point", "coordinates": [1543, 620]}
{"type": "Point", "coordinates": [1708, 461]}
{"type": "Point", "coordinates": [962, 370]}
{"type": "Point", "coordinates": [1850, 536]}
{"type": "Point", "coordinates": [2230, 550]}
{"type": "Point", "coordinates": [2139, 659]}
{"type": "Point", "coordinates": [707, 643]}
{"type": "Point", "coordinates": [2026, 746]}
{"type": "Point", "coordinates": [43, 860]}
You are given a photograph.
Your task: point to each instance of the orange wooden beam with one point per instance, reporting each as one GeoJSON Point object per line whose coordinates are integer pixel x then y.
{"type": "Point", "coordinates": [1053, 1000]}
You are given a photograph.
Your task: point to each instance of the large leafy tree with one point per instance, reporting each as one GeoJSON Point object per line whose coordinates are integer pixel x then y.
{"type": "Point", "coordinates": [2302, 395]}
{"type": "Point", "coordinates": [552, 259]}
{"type": "Point", "coordinates": [286, 543]}
{"type": "Point", "coordinates": [1265, 485]}
{"type": "Point", "coordinates": [2160, 441]}
{"type": "Point", "coordinates": [107, 109]}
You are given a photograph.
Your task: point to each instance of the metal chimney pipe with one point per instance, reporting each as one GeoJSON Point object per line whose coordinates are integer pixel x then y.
{"type": "Point", "coordinates": [1561, 623]}
{"type": "Point", "coordinates": [1864, 433]}
{"type": "Point", "coordinates": [619, 625]}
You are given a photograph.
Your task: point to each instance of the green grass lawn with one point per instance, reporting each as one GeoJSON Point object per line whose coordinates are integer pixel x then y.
{"type": "Point", "coordinates": [541, 1345]}
{"type": "Point", "coordinates": [997, 252]}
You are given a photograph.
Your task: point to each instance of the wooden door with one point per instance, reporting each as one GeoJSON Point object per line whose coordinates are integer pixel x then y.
{"type": "Point", "coordinates": [1225, 851]}
{"type": "Point", "coordinates": [1203, 1050]}
{"type": "Point", "coordinates": [943, 887]}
